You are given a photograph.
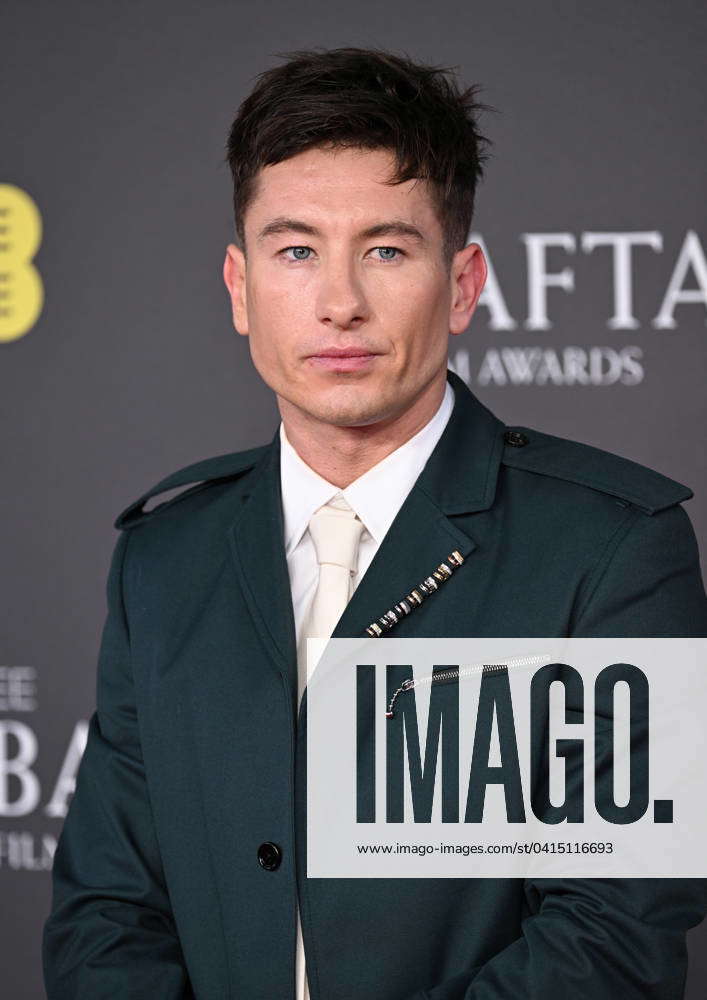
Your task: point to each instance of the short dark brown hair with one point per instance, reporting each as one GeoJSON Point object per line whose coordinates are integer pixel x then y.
{"type": "Point", "coordinates": [370, 99]}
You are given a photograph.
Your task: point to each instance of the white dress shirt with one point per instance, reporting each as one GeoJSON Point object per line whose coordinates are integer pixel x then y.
{"type": "Point", "coordinates": [376, 497]}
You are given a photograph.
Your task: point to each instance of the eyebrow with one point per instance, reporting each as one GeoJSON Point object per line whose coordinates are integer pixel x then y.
{"type": "Point", "coordinates": [394, 227]}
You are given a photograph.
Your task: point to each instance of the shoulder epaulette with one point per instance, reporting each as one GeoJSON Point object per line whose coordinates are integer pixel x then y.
{"type": "Point", "coordinates": [202, 474]}
{"type": "Point", "coordinates": [585, 465]}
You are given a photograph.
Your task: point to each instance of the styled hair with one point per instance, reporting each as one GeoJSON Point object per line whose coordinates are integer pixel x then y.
{"type": "Point", "coordinates": [368, 99]}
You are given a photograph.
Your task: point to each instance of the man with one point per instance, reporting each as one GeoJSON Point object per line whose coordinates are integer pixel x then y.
{"type": "Point", "coordinates": [180, 871]}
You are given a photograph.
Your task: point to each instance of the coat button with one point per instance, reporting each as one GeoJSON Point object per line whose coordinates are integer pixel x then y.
{"type": "Point", "coordinates": [269, 856]}
{"type": "Point", "coordinates": [516, 439]}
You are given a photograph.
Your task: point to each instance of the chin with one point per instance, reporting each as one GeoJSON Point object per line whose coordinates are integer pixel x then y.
{"type": "Point", "coordinates": [346, 403]}
{"type": "Point", "coordinates": [354, 415]}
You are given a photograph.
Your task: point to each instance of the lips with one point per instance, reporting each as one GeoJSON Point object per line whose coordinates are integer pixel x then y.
{"type": "Point", "coordinates": [343, 352]}
{"type": "Point", "coordinates": [342, 359]}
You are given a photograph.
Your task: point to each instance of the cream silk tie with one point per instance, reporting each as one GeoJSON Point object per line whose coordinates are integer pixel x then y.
{"type": "Point", "coordinates": [336, 532]}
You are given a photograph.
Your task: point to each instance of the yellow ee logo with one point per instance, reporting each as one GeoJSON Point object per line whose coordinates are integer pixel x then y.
{"type": "Point", "coordinates": [21, 289]}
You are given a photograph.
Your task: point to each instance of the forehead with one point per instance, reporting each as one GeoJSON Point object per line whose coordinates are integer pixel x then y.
{"type": "Point", "coordinates": [348, 183]}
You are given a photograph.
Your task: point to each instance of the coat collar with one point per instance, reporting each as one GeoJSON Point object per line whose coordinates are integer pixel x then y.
{"type": "Point", "coordinates": [459, 478]}
{"type": "Point", "coordinates": [461, 473]}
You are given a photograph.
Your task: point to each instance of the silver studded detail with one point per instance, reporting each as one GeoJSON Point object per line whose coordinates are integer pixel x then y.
{"type": "Point", "coordinates": [416, 596]}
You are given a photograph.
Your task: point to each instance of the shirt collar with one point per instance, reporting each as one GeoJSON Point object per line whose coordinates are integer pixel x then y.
{"type": "Point", "coordinates": [376, 496]}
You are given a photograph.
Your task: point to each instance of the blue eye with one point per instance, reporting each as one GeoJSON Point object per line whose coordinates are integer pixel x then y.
{"type": "Point", "coordinates": [394, 249]}
{"type": "Point", "coordinates": [295, 248]}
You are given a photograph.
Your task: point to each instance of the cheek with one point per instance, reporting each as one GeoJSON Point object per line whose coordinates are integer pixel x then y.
{"type": "Point", "coordinates": [412, 307]}
{"type": "Point", "coordinates": [416, 291]}
{"type": "Point", "coordinates": [272, 311]}
{"type": "Point", "coordinates": [273, 298]}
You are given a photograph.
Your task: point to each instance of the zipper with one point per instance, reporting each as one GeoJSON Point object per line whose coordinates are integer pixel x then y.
{"type": "Point", "coordinates": [455, 673]}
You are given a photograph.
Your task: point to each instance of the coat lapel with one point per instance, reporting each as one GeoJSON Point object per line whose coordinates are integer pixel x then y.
{"type": "Point", "coordinates": [459, 479]}
{"type": "Point", "coordinates": [257, 545]}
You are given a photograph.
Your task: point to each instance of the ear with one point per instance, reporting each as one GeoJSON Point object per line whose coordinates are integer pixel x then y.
{"type": "Point", "coordinates": [468, 277]}
{"type": "Point", "coordinates": [234, 277]}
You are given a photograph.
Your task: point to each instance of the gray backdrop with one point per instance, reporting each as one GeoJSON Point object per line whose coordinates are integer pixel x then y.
{"type": "Point", "coordinates": [114, 118]}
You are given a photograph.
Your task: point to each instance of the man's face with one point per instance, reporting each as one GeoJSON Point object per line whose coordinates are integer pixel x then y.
{"type": "Point", "coordinates": [340, 263]}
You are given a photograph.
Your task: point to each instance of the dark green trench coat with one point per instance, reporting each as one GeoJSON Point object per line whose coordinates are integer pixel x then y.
{"type": "Point", "coordinates": [195, 753]}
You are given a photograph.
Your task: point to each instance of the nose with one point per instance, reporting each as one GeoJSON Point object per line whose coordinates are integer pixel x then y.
{"type": "Point", "coordinates": [341, 301]}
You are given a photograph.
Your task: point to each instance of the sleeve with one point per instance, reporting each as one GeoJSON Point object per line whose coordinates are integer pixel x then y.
{"type": "Point", "coordinates": [649, 584]}
{"type": "Point", "coordinates": [110, 932]}
{"type": "Point", "coordinates": [593, 938]}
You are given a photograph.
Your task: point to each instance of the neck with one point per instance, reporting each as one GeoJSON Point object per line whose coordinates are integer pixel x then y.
{"type": "Point", "coordinates": [342, 454]}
